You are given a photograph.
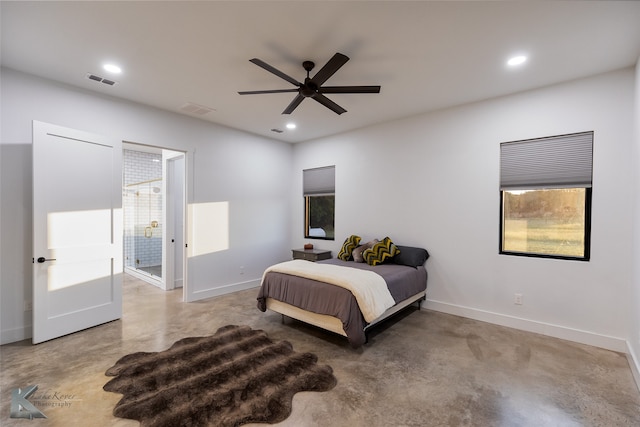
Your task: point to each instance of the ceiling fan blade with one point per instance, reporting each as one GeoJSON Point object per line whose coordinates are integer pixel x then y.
{"type": "Point", "coordinates": [256, 92]}
{"type": "Point", "coordinates": [349, 89]}
{"type": "Point", "coordinates": [296, 101]}
{"type": "Point", "coordinates": [275, 71]}
{"type": "Point", "coordinates": [329, 103]}
{"type": "Point", "coordinates": [334, 64]}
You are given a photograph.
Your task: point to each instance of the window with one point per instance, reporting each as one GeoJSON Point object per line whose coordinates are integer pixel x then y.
{"type": "Point", "coordinates": [545, 196]}
{"type": "Point", "coordinates": [319, 202]}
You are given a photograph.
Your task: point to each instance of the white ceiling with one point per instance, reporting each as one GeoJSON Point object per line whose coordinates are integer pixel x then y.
{"type": "Point", "coordinates": [425, 55]}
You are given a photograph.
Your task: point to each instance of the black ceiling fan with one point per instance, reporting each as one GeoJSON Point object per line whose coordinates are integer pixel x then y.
{"type": "Point", "coordinates": [312, 86]}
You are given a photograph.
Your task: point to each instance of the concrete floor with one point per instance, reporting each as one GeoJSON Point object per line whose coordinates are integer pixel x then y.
{"type": "Point", "coordinates": [422, 368]}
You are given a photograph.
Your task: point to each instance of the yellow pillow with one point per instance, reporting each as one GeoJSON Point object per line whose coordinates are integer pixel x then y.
{"type": "Point", "coordinates": [348, 246]}
{"type": "Point", "coordinates": [380, 252]}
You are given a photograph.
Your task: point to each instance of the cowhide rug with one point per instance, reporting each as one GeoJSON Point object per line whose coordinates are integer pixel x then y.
{"type": "Point", "coordinates": [234, 377]}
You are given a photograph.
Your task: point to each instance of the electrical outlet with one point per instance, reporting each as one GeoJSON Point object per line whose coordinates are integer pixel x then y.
{"type": "Point", "coordinates": [28, 306]}
{"type": "Point", "coordinates": [517, 299]}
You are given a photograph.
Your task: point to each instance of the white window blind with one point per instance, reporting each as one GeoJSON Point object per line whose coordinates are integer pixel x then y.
{"type": "Point", "coordinates": [564, 161]}
{"type": "Point", "coordinates": [319, 181]}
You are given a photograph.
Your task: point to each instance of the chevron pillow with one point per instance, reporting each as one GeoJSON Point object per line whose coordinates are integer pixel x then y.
{"type": "Point", "coordinates": [380, 252]}
{"type": "Point", "coordinates": [348, 246]}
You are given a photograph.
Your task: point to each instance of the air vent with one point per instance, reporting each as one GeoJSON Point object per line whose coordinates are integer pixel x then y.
{"type": "Point", "coordinates": [197, 109]}
{"type": "Point", "coordinates": [96, 78]}
{"type": "Point", "coordinates": [277, 130]}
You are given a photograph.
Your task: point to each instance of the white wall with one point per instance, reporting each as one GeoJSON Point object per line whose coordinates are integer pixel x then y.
{"type": "Point", "coordinates": [432, 181]}
{"type": "Point", "coordinates": [634, 336]}
{"type": "Point", "coordinates": [250, 173]}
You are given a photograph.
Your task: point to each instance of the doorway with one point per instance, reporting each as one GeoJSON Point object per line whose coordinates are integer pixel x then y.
{"type": "Point", "coordinates": [153, 205]}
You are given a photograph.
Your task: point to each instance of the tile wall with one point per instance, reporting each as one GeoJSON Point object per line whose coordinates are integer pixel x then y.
{"type": "Point", "coordinates": [142, 203]}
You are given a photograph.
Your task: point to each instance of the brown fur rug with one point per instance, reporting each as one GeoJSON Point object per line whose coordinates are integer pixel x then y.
{"type": "Point", "coordinates": [234, 377]}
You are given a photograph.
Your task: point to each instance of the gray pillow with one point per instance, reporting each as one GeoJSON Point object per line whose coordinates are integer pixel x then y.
{"type": "Point", "coordinates": [413, 257]}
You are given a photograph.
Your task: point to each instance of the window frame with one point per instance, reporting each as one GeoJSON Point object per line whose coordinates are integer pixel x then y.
{"type": "Point", "coordinates": [306, 217]}
{"type": "Point", "coordinates": [587, 233]}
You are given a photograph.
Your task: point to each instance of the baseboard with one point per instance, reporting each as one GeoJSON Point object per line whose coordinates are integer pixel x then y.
{"type": "Point", "coordinates": [13, 335]}
{"type": "Point", "coordinates": [634, 364]}
{"type": "Point", "coordinates": [556, 331]}
{"type": "Point", "coordinates": [222, 290]}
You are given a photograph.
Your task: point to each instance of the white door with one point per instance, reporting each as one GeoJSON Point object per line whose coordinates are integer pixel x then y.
{"type": "Point", "coordinates": [77, 231]}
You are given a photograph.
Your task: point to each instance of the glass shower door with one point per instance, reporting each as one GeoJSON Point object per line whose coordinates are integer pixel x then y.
{"type": "Point", "coordinates": [143, 229]}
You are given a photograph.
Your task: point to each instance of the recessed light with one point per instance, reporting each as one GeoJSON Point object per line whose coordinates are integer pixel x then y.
{"type": "Point", "coordinates": [291, 125]}
{"type": "Point", "coordinates": [517, 60]}
{"type": "Point", "coordinates": [112, 68]}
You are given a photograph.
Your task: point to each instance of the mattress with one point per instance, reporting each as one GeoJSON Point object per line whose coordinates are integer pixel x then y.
{"type": "Point", "coordinates": [404, 282]}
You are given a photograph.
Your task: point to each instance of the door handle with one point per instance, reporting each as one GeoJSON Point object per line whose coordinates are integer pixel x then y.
{"type": "Point", "coordinates": [43, 259]}
{"type": "Point", "coordinates": [148, 235]}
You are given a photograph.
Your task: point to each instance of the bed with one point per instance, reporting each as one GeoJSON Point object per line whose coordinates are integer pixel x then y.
{"type": "Point", "coordinates": [346, 297]}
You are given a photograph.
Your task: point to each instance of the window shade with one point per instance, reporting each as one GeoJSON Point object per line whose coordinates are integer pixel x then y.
{"type": "Point", "coordinates": [319, 181]}
{"type": "Point", "coordinates": [555, 162]}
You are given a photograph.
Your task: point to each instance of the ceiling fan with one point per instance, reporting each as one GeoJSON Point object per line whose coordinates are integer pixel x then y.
{"type": "Point", "coordinates": [312, 86]}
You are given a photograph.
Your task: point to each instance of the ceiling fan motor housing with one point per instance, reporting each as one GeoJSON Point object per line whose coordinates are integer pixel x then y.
{"type": "Point", "coordinates": [309, 89]}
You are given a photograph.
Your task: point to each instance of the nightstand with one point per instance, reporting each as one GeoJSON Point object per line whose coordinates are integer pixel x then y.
{"type": "Point", "coordinates": [311, 254]}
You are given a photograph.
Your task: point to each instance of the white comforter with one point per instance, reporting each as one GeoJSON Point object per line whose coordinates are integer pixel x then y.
{"type": "Point", "coordinates": [369, 288]}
